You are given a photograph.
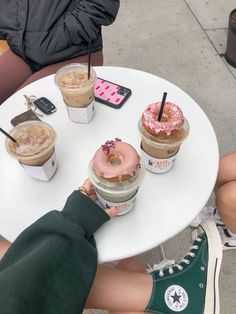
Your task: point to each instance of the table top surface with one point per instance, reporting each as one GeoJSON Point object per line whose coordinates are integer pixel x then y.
{"type": "Point", "coordinates": [166, 203]}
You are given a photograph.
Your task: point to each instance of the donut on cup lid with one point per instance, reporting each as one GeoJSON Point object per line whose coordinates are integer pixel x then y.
{"type": "Point", "coordinates": [116, 161]}
{"type": "Point", "coordinates": [172, 119]}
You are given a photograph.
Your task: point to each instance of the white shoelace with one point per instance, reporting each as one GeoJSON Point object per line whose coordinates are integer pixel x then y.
{"type": "Point", "coordinates": [170, 264]}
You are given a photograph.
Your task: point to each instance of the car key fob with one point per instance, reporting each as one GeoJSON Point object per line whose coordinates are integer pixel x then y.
{"type": "Point", "coordinates": [45, 105]}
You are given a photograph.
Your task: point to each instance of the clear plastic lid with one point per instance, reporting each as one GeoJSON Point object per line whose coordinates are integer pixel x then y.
{"type": "Point", "coordinates": [34, 138]}
{"type": "Point", "coordinates": [74, 76]}
{"type": "Point", "coordinates": [116, 188]}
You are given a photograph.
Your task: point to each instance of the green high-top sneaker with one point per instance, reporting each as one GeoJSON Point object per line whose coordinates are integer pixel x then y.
{"type": "Point", "coordinates": [191, 286]}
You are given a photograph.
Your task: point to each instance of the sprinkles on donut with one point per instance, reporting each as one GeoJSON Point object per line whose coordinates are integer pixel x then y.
{"type": "Point", "coordinates": [172, 119]}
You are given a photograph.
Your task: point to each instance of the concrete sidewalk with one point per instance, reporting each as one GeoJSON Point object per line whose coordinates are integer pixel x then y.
{"type": "Point", "coordinates": [183, 42]}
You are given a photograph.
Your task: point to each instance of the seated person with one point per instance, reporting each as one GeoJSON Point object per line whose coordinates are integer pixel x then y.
{"type": "Point", "coordinates": [45, 35]}
{"type": "Point", "coordinates": [52, 268]}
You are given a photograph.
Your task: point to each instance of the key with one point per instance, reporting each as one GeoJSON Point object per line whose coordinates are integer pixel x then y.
{"type": "Point", "coordinates": [45, 105]}
{"type": "Point", "coordinates": [30, 105]}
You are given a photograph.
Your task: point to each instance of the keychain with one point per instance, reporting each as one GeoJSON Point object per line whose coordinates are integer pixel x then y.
{"type": "Point", "coordinates": [30, 105]}
{"type": "Point", "coordinates": [42, 103]}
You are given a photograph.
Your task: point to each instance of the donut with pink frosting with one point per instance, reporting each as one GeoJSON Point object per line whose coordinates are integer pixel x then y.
{"type": "Point", "coordinates": [116, 161]}
{"type": "Point", "coordinates": [172, 119]}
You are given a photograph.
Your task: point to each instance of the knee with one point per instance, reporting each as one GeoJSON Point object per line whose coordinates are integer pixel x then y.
{"type": "Point", "coordinates": [226, 198]}
{"type": "Point", "coordinates": [223, 164]}
{"type": "Point", "coordinates": [224, 170]}
{"type": "Point", "coordinates": [227, 170]}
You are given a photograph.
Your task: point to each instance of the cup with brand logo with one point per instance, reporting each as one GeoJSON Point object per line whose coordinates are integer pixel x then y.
{"type": "Point", "coordinates": [161, 140]}
{"type": "Point", "coordinates": [116, 173]}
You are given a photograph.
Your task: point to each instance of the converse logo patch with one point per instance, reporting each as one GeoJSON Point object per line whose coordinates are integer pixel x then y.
{"type": "Point", "coordinates": [176, 298]}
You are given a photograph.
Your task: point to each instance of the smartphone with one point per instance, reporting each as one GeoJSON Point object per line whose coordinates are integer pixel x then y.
{"type": "Point", "coordinates": [111, 94]}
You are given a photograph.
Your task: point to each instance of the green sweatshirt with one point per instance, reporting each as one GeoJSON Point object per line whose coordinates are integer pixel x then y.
{"type": "Point", "coordinates": [50, 267]}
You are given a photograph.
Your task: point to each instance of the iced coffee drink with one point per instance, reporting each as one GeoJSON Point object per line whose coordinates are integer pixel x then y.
{"type": "Point", "coordinates": [117, 173]}
{"type": "Point", "coordinates": [77, 89]}
{"type": "Point", "coordinates": [34, 146]}
{"type": "Point", "coordinates": [161, 140]}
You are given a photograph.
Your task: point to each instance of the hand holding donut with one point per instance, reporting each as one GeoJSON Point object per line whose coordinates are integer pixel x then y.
{"type": "Point", "coordinates": [88, 189]}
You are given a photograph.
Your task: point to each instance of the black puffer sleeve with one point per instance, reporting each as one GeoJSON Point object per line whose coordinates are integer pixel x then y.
{"type": "Point", "coordinates": [85, 21]}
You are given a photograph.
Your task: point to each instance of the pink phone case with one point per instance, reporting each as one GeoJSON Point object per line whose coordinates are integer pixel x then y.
{"type": "Point", "coordinates": [111, 94]}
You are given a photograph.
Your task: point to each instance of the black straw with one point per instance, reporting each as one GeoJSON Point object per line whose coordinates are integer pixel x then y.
{"type": "Point", "coordinates": [8, 135]}
{"type": "Point", "coordinates": [162, 106]}
{"type": "Point", "coordinates": [89, 59]}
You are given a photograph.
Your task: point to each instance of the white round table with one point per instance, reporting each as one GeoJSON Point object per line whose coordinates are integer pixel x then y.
{"type": "Point", "coordinates": [166, 203]}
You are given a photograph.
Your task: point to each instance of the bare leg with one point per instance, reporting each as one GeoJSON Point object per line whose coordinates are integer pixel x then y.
{"type": "Point", "coordinates": [108, 291]}
{"type": "Point", "coordinates": [226, 204]}
{"type": "Point", "coordinates": [13, 72]}
{"type": "Point", "coordinates": [225, 191]}
{"type": "Point", "coordinates": [227, 170]}
{"type": "Point", "coordinates": [4, 245]}
{"type": "Point", "coordinates": [130, 264]}
{"type": "Point", "coordinates": [96, 60]}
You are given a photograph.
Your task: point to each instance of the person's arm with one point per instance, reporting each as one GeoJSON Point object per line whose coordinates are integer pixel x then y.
{"type": "Point", "coordinates": [50, 267]}
{"type": "Point", "coordinates": [85, 21]}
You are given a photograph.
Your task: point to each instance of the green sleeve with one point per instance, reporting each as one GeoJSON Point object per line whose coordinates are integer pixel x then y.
{"type": "Point", "coordinates": [85, 212]}
{"type": "Point", "coordinates": [50, 267]}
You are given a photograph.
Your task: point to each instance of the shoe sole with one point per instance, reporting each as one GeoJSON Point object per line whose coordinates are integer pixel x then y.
{"type": "Point", "coordinates": [212, 299]}
{"type": "Point", "coordinates": [219, 224]}
{"type": "Point", "coordinates": [211, 214]}
{"type": "Point", "coordinates": [227, 248]}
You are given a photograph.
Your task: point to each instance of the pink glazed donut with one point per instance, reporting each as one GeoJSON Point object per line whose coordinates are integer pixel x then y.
{"type": "Point", "coordinates": [172, 119]}
{"type": "Point", "coordinates": [116, 161]}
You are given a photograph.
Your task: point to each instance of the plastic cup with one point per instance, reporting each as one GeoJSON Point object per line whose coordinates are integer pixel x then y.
{"type": "Point", "coordinates": [159, 153]}
{"type": "Point", "coordinates": [120, 194]}
{"type": "Point", "coordinates": [34, 149]}
{"type": "Point", "coordinates": [77, 91]}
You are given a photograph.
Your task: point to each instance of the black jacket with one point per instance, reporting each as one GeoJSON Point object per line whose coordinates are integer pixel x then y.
{"type": "Point", "coordinates": [44, 32]}
{"type": "Point", "coordinates": [50, 267]}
